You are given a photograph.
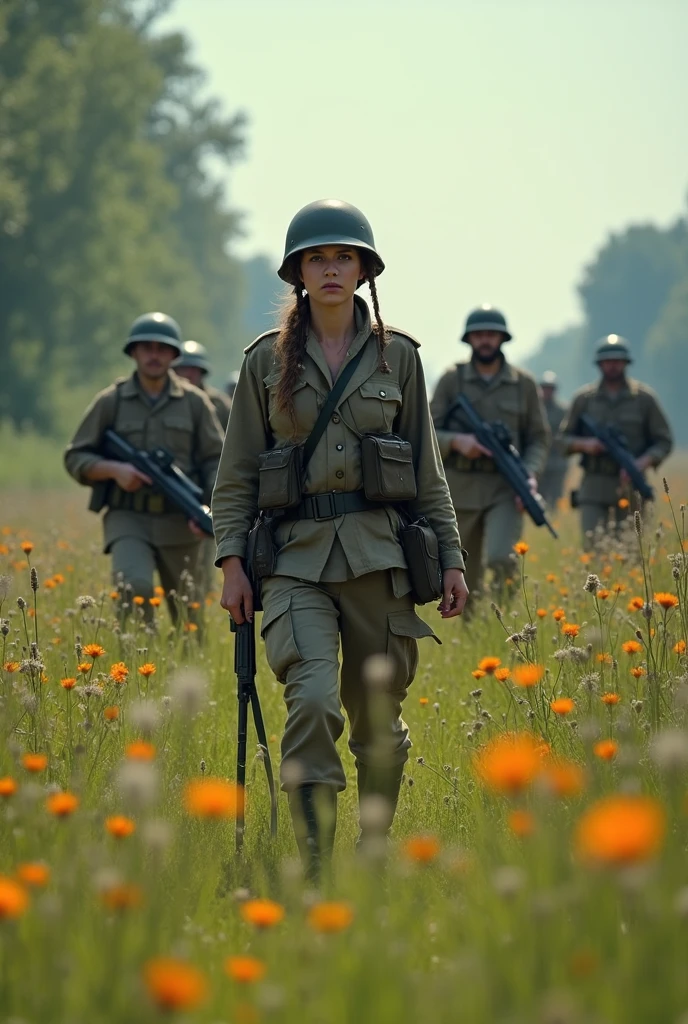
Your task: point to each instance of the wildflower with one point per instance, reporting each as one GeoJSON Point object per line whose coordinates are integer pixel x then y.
{"type": "Point", "coordinates": [489, 664]}
{"type": "Point", "coordinates": [245, 969]}
{"type": "Point", "coordinates": [26, 546]}
{"type": "Point", "coordinates": [621, 830]}
{"type": "Point", "coordinates": [521, 823]}
{"type": "Point", "coordinates": [509, 762]}
{"type": "Point", "coordinates": [8, 786]}
{"type": "Point", "coordinates": [422, 849]}
{"type": "Point", "coordinates": [666, 601]}
{"type": "Point", "coordinates": [119, 826]}
{"type": "Point", "coordinates": [155, 602]}
{"type": "Point", "coordinates": [604, 658]}
{"type": "Point", "coordinates": [541, 613]}
{"type": "Point", "coordinates": [68, 683]}
{"type": "Point", "coordinates": [190, 627]}
{"type": "Point", "coordinates": [11, 666]}
{"type": "Point", "coordinates": [194, 605]}
{"type": "Point", "coordinates": [606, 749]}
{"type": "Point", "coordinates": [603, 594]}
{"type": "Point", "coordinates": [330, 917]}
{"type": "Point", "coordinates": [635, 604]}
{"type": "Point", "coordinates": [528, 675]}
{"type": "Point", "coordinates": [159, 591]}
{"type": "Point", "coordinates": [551, 578]}
{"type": "Point", "coordinates": [680, 647]}
{"type": "Point", "coordinates": [502, 674]}
{"type": "Point", "coordinates": [562, 705]}
{"type": "Point", "coordinates": [147, 670]}
{"type": "Point", "coordinates": [638, 671]}
{"type": "Point", "coordinates": [111, 713]}
{"type": "Point", "coordinates": [478, 673]}
{"type": "Point", "coordinates": [558, 614]}
{"type": "Point", "coordinates": [175, 984]}
{"type": "Point", "coordinates": [571, 629]}
{"type": "Point", "coordinates": [140, 750]}
{"type": "Point", "coordinates": [119, 672]}
{"type": "Point", "coordinates": [213, 798]}
{"type": "Point", "coordinates": [84, 667]}
{"type": "Point", "coordinates": [564, 778]}
{"type": "Point", "coordinates": [423, 701]}
{"type": "Point", "coordinates": [623, 503]}
{"type": "Point", "coordinates": [85, 601]}
{"type": "Point", "coordinates": [13, 899]}
{"type": "Point", "coordinates": [33, 873]}
{"type": "Point", "coordinates": [262, 913]}
{"type": "Point", "coordinates": [521, 548]}
{"type": "Point", "coordinates": [121, 896]}
{"type": "Point", "coordinates": [138, 600]}
{"type": "Point", "coordinates": [115, 595]}
{"type": "Point", "coordinates": [631, 646]}
{"type": "Point", "coordinates": [62, 804]}
{"type": "Point", "coordinates": [610, 699]}
{"type": "Point", "coordinates": [592, 584]}
{"type": "Point", "coordinates": [35, 762]}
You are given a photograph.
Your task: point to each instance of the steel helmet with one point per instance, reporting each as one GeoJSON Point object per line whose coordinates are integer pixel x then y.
{"type": "Point", "coordinates": [154, 327]}
{"type": "Point", "coordinates": [486, 318]}
{"type": "Point", "coordinates": [327, 222]}
{"type": "Point", "coordinates": [612, 346]}
{"type": "Point", "coordinates": [549, 379]}
{"type": "Point", "coordinates": [193, 354]}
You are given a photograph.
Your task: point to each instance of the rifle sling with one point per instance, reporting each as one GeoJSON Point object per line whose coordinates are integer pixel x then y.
{"type": "Point", "coordinates": [329, 407]}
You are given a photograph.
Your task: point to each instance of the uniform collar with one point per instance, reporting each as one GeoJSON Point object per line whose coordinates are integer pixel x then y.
{"type": "Point", "coordinates": [132, 389]}
{"type": "Point", "coordinates": [368, 362]}
{"type": "Point", "coordinates": [626, 389]}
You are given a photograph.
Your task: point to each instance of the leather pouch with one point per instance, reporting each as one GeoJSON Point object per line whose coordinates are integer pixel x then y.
{"type": "Point", "coordinates": [387, 468]}
{"type": "Point", "coordinates": [421, 551]}
{"type": "Point", "coordinates": [574, 499]}
{"type": "Point", "coordinates": [279, 477]}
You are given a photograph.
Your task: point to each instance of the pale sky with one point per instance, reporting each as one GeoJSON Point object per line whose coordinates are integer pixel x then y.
{"type": "Point", "coordinates": [493, 144]}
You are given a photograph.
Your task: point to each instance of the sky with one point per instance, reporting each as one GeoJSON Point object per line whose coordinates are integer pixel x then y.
{"type": "Point", "coordinates": [492, 144]}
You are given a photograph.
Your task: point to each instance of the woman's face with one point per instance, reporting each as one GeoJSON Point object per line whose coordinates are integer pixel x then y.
{"type": "Point", "coordinates": [330, 273]}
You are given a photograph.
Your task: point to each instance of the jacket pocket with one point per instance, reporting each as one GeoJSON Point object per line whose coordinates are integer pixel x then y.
{"type": "Point", "coordinates": [277, 630]}
{"type": "Point", "coordinates": [407, 623]}
{"type": "Point", "coordinates": [375, 405]}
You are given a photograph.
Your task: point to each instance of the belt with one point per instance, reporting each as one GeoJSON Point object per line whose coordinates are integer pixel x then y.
{"type": "Point", "coordinates": [483, 464]}
{"type": "Point", "coordinates": [331, 505]}
{"type": "Point", "coordinates": [139, 501]}
{"type": "Point", "coordinates": [601, 465]}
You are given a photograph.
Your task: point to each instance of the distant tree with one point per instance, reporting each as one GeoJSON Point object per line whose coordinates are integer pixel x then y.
{"type": "Point", "coordinates": [564, 353]}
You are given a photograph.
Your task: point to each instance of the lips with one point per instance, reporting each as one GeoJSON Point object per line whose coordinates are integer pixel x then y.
{"type": "Point", "coordinates": [332, 287]}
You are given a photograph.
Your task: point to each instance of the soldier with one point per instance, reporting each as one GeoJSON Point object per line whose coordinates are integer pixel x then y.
{"type": "Point", "coordinates": [340, 571]}
{"type": "Point", "coordinates": [633, 408]}
{"type": "Point", "coordinates": [554, 474]}
{"type": "Point", "coordinates": [151, 408]}
{"type": "Point", "coordinates": [194, 365]}
{"type": "Point", "coordinates": [488, 514]}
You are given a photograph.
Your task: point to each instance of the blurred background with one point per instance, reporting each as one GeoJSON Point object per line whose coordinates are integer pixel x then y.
{"type": "Point", "coordinates": [532, 155]}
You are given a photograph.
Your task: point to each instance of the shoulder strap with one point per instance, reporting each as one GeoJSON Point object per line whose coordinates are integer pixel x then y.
{"type": "Point", "coordinates": [115, 408]}
{"type": "Point", "coordinates": [329, 407]}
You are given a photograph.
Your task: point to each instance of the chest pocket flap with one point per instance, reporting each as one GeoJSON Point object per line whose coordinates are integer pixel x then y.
{"type": "Point", "coordinates": [383, 390]}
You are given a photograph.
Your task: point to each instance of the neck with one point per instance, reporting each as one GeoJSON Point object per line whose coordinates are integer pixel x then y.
{"type": "Point", "coordinates": [152, 385]}
{"type": "Point", "coordinates": [614, 385]}
{"type": "Point", "coordinates": [488, 369]}
{"type": "Point", "coordinates": [333, 326]}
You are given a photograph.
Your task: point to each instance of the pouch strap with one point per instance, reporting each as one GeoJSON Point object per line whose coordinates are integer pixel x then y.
{"type": "Point", "coordinates": [328, 408]}
{"type": "Point", "coordinates": [330, 505]}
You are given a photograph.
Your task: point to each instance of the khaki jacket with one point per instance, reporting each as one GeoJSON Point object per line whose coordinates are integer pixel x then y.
{"type": "Point", "coordinates": [557, 460]}
{"type": "Point", "coordinates": [636, 413]}
{"type": "Point", "coordinates": [510, 397]}
{"type": "Point", "coordinates": [372, 401]}
{"type": "Point", "coordinates": [222, 404]}
{"type": "Point", "coordinates": [182, 420]}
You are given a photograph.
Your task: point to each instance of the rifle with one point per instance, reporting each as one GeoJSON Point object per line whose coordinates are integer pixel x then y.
{"type": "Point", "coordinates": [245, 668]}
{"type": "Point", "coordinates": [509, 463]}
{"type": "Point", "coordinates": [617, 449]}
{"type": "Point", "coordinates": [167, 477]}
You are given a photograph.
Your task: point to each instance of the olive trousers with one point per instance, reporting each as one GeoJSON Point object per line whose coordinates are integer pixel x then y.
{"type": "Point", "coordinates": [489, 535]}
{"type": "Point", "coordinates": [304, 625]}
{"type": "Point", "coordinates": [551, 486]}
{"type": "Point", "coordinates": [134, 561]}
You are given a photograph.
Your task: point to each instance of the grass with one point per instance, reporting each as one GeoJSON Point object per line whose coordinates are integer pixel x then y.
{"type": "Point", "coordinates": [528, 900]}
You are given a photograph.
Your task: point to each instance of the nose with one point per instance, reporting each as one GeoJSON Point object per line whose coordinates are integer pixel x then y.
{"type": "Point", "coordinates": [331, 270]}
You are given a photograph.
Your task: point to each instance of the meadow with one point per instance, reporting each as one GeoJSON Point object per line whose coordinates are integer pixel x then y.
{"type": "Point", "coordinates": [537, 870]}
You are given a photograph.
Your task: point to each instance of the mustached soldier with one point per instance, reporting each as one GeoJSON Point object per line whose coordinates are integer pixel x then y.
{"type": "Point", "coordinates": [554, 474]}
{"type": "Point", "coordinates": [488, 514]}
{"type": "Point", "coordinates": [152, 408]}
{"type": "Point", "coordinates": [340, 575]}
{"type": "Point", "coordinates": [633, 408]}
{"type": "Point", "coordinates": [193, 364]}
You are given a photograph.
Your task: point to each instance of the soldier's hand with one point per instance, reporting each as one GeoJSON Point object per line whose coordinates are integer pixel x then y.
{"type": "Point", "coordinates": [195, 528]}
{"type": "Point", "coordinates": [237, 595]}
{"type": "Point", "coordinates": [455, 593]}
{"type": "Point", "coordinates": [533, 487]}
{"type": "Point", "coordinates": [469, 446]}
{"type": "Point", "coordinates": [128, 477]}
{"type": "Point", "coordinates": [590, 446]}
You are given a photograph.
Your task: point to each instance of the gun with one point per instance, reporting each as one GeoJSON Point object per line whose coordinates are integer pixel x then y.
{"type": "Point", "coordinates": [507, 459]}
{"type": "Point", "coordinates": [166, 476]}
{"type": "Point", "coordinates": [617, 450]}
{"type": "Point", "coordinates": [245, 668]}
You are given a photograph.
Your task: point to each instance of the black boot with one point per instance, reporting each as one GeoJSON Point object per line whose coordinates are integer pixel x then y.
{"type": "Point", "coordinates": [314, 817]}
{"type": "Point", "coordinates": [376, 816]}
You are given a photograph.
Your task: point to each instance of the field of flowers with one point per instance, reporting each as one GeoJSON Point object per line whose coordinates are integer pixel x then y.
{"type": "Point", "coordinates": [538, 868]}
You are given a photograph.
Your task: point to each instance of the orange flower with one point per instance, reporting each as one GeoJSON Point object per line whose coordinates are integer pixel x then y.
{"type": "Point", "coordinates": [521, 823]}
{"type": "Point", "coordinates": [478, 673]}
{"type": "Point", "coordinates": [558, 614]}
{"type": "Point", "coordinates": [26, 546]}
{"type": "Point", "coordinates": [606, 749]}
{"type": "Point", "coordinates": [85, 667]}
{"type": "Point", "coordinates": [604, 658]}
{"type": "Point", "coordinates": [155, 602]}
{"type": "Point", "coordinates": [330, 917]}
{"type": "Point", "coordinates": [159, 591]}
{"type": "Point", "coordinates": [528, 675]}
{"type": "Point", "coordinates": [58, 578]}
{"type": "Point", "coordinates": [521, 548]}
{"type": "Point", "coordinates": [139, 750]}
{"type": "Point", "coordinates": [190, 627]}
{"type": "Point", "coordinates": [4, 550]}
{"type": "Point", "coordinates": [94, 651]}
{"type": "Point", "coordinates": [489, 664]}
{"type": "Point", "coordinates": [570, 629]}
{"type": "Point", "coordinates": [262, 913]}
{"type": "Point", "coordinates": [138, 600]}
{"type": "Point", "coordinates": [541, 613]}
{"type": "Point", "coordinates": [35, 762]}
{"type": "Point", "coordinates": [213, 798]}
{"type": "Point", "coordinates": [621, 829]}
{"type": "Point", "coordinates": [62, 804]}
{"type": "Point", "coordinates": [11, 666]}
{"type": "Point", "coordinates": [175, 984]}
{"type": "Point", "coordinates": [638, 671]}
{"type": "Point", "coordinates": [564, 778]}
{"type": "Point", "coordinates": [509, 762]}
{"type": "Point", "coordinates": [422, 849]}
{"type": "Point", "coordinates": [114, 594]}
{"type": "Point", "coordinates": [148, 669]}
{"type": "Point", "coordinates": [635, 604]}
{"type": "Point", "coordinates": [610, 699]}
{"type": "Point", "coordinates": [631, 646]}
{"type": "Point", "coordinates": [623, 503]}
{"type": "Point", "coordinates": [619, 588]}
{"type": "Point", "coordinates": [121, 896]}
{"type": "Point", "coordinates": [666, 600]}
{"type": "Point", "coordinates": [680, 647]}
{"type": "Point", "coordinates": [245, 969]}
{"type": "Point", "coordinates": [422, 701]}
{"type": "Point", "coordinates": [119, 826]}
{"type": "Point", "coordinates": [194, 605]}
{"type": "Point", "coordinates": [564, 591]}
{"type": "Point", "coordinates": [119, 672]}
{"type": "Point", "coordinates": [8, 786]}
{"type": "Point", "coordinates": [111, 713]}
{"type": "Point", "coordinates": [13, 899]}
{"type": "Point", "coordinates": [551, 578]}
{"type": "Point", "coordinates": [68, 683]}
{"type": "Point", "coordinates": [33, 873]}
{"type": "Point", "coordinates": [502, 674]}
{"type": "Point", "coordinates": [562, 705]}
{"type": "Point", "coordinates": [603, 594]}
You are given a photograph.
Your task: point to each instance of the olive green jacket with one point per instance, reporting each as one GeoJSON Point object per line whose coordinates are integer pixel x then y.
{"type": "Point", "coordinates": [510, 397]}
{"type": "Point", "coordinates": [372, 402]}
{"type": "Point", "coordinates": [221, 403]}
{"type": "Point", "coordinates": [557, 460]}
{"type": "Point", "coordinates": [636, 413]}
{"type": "Point", "coordinates": [182, 420]}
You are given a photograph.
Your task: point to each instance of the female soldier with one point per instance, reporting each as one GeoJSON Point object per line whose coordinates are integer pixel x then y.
{"type": "Point", "coordinates": [340, 570]}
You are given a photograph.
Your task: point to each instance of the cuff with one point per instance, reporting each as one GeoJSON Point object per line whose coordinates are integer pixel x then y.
{"type": "Point", "coordinates": [228, 547]}
{"type": "Point", "coordinates": [452, 558]}
{"type": "Point", "coordinates": [85, 463]}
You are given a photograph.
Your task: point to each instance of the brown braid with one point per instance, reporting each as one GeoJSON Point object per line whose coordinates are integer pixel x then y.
{"type": "Point", "coordinates": [379, 327]}
{"type": "Point", "coordinates": [290, 349]}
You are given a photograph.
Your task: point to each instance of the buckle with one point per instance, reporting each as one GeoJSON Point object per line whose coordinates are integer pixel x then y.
{"type": "Point", "coordinates": [324, 506]}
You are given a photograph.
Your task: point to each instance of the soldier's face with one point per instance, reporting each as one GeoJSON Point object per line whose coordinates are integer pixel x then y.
{"type": "Point", "coordinates": [192, 373]}
{"type": "Point", "coordinates": [613, 370]}
{"type": "Point", "coordinates": [153, 358]}
{"type": "Point", "coordinates": [485, 345]}
{"type": "Point", "coordinates": [547, 393]}
{"type": "Point", "coordinates": [331, 273]}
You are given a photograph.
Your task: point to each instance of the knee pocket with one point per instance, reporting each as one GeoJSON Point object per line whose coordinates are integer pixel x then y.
{"type": "Point", "coordinates": [404, 628]}
{"type": "Point", "coordinates": [277, 630]}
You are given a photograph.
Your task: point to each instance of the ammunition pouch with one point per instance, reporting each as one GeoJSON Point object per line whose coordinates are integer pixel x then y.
{"type": "Point", "coordinates": [149, 502]}
{"type": "Point", "coordinates": [280, 477]}
{"type": "Point", "coordinates": [421, 550]}
{"type": "Point", "coordinates": [387, 468]}
{"type": "Point", "coordinates": [483, 464]}
{"type": "Point", "coordinates": [600, 465]}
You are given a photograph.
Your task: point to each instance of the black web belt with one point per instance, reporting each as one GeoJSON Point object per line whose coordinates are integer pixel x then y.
{"type": "Point", "coordinates": [331, 505]}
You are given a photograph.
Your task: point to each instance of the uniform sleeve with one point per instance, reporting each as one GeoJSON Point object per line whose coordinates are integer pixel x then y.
{"type": "Point", "coordinates": [414, 424]}
{"type": "Point", "coordinates": [568, 432]}
{"type": "Point", "coordinates": [537, 432]}
{"type": "Point", "coordinates": [235, 498]}
{"type": "Point", "coordinates": [223, 406]}
{"type": "Point", "coordinates": [209, 436]}
{"type": "Point", "coordinates": [440, 405]}
{"type": "Point", "coordinates": [82, 452]}
{"type": "Point", "coordinates": [658, 432]}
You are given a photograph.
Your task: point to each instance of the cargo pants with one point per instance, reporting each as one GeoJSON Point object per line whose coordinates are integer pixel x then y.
{"type": "Point", "coordinates": [303, 625]}
{"type": "Point", "coordinates": [134, 562]}
{"type": "Point", "coordinates": [551, 486]}
{"type": "Point", "coordinates": [489, 535]}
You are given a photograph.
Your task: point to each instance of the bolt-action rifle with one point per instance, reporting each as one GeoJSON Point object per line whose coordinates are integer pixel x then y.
{"type": "Point", "coordinates": [616, 448]}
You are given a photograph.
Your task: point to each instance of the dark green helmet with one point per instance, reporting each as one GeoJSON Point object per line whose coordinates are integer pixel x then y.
{"type": "Point", "coordinates": [327, 222]}
{"type": "Point", "coordinates": [193, 354]}
{"type": "Point", "coordinates": [612, 346]}
{"type": "Point", "coordinates": [154, 327]}
{"type": "Point", "coordinates": [549, 379]}
{"type": "Point", "coordinates": [486, 318]}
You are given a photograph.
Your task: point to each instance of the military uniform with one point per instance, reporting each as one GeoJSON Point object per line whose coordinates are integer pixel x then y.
{"type": "Point", "coordinates": [142, 530]}
{"type": "Point", "coordinates": [551, 481]}
{"type": "Point", "coordinates": [487, 516]}
{"type": "Point", "coordinates": [222, 403]}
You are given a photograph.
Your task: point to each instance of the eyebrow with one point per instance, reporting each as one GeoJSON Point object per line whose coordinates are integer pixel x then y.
{"type": "Point", "coordinates": [340, 248]}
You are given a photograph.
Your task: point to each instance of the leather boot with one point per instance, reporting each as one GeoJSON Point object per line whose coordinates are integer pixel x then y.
{"type": "Point", "coordinates": [314, 817]}
{"type": "Point", "coordinates": [376, 815]}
